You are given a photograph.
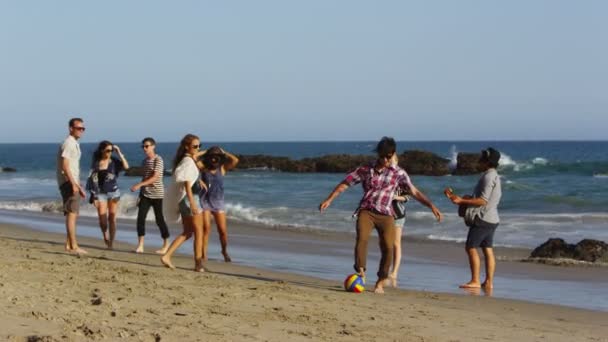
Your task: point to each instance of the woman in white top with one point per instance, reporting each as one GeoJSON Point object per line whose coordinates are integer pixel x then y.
{"type": "Point", "coordinates": [181, 201]}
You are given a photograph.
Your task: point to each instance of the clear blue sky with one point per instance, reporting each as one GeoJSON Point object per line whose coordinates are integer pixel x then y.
{"type": "Point", "coordinates": [304, 70]}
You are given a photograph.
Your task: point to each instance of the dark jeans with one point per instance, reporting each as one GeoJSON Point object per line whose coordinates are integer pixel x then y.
{"type": "Point", "coordinates": [144, 206]}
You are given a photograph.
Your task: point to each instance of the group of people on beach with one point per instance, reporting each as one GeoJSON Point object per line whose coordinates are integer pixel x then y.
{"type": "Point", "coordinates": [196, 194]}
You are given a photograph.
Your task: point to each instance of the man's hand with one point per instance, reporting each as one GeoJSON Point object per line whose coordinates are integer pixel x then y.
{"type": "Point", "coordinates": [135, 187]}
{"type": "Point", "coordinates": [82, 194]}
{"type": "Point", "coordinates": [437, 213]}
{"type": "Point", "coordinates": [324, 205]}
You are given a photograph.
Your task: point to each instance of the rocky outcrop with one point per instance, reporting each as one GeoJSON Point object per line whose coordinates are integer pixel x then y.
{"type": "Point", "coordinates": [138, 171]}
{"type": "Point", "coordinates": [554, 248]}
{"type": "Point", "coordinates": [424, 163]}
{"type": "Point", "coordinates": [591, 250]}
{"type": "Point", "coordinates": [414, 162]}
{"type": "Point", "coordinates": [586, 250]}
{"type": "Point", "coordinates": [8, 169]}
{"type": "Point", "coordinates": [466, 164]}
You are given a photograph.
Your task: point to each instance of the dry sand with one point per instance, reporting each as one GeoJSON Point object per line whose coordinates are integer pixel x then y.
{"type": "Point", "coordinates": [48, 295]}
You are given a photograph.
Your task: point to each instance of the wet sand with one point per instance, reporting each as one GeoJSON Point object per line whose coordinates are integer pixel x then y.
{"type": "Point", "coordinates": [119, 295]}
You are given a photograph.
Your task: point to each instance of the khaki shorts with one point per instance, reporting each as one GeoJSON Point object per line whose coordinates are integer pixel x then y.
{"type": "Point", "coordinates": [71, 201]}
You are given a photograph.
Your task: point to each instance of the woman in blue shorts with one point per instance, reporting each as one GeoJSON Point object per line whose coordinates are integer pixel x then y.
{"type": "Point", "coordinates": [103, 187]}
{"type": "Point", "coordinates": [215, 163]}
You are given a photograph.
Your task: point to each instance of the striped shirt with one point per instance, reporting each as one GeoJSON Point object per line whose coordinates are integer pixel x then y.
{"type": "Point", "coordinates": [156, 189]}
{"type": "Point", "coordinates": [378, 186]}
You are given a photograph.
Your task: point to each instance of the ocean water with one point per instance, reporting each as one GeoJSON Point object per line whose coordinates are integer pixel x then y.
{"type": "Point", "coordinates": [550, 189]}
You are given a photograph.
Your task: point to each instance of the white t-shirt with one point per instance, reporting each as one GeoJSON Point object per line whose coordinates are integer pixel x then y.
{"type": "Point", "coordinates": [70, 150]}
{"type": "Point", "coordinates": [186, 171]}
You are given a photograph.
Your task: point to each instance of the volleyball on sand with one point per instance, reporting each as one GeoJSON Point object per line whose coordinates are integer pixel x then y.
{"type": "Point", "coordinates": [354, 283]}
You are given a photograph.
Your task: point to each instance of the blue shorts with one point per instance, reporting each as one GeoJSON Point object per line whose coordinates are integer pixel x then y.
{"type": "Point", "coordinates": [399, 222]}
{"type": "Point", "coordinates": [104, 197]}
{"type": "Point", "coordinates": [481, 234]}
{"type": "Point", "coordinates": [184, 207]}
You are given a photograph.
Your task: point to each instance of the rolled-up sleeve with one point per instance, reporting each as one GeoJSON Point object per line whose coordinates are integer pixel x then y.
{"type": "Point", "coordinates": [354, 177]}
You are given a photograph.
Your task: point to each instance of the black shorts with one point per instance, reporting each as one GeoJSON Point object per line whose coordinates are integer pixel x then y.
{"type": "Point", "coordinates": [481, 234]}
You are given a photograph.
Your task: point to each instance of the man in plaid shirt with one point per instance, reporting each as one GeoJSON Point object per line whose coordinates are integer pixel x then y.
{"type": "Point", "coordinates": [380, 180]}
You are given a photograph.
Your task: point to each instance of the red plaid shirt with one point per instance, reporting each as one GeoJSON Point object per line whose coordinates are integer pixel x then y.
{"type": "Point", "coordinates": [378, 187]}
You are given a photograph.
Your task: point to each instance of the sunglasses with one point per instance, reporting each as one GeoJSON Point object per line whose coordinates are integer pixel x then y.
{"type": "Point", "coordinates": [195, 146]}
{"type": "Point", "coordinates": [145, 146]}
{"type": "Point", "coordinates": [108, 150]}
{"type": "Point", "coordinates": [79, 128]}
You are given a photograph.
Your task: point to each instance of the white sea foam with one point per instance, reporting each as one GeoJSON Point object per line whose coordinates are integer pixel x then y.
{"type": "Point", "coordinates": [540, 161]}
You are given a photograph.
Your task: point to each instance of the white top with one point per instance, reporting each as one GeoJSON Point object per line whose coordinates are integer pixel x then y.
{"type": "Point", "coordinates": [70, 150]}
{"type": "Point", "coordinates": [186, 171]}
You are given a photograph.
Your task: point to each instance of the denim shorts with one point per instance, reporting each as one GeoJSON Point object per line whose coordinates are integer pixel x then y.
{"type": "Point", "coordinates": [184, 207]}
{"type": "Point", "coordinates": [399, 222]}
{"type": "Point", "coordinates": [104, 197]}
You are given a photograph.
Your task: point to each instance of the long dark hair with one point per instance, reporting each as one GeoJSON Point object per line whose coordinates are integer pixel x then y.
{"type": "Point", "coordinates": [181, 149]}
{"type": "Point", "coordinates": [99, 151]}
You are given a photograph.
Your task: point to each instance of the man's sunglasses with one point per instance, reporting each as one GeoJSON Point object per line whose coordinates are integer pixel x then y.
{"type": "Point", "coordinates": [79, 128]}
{"type": "Point", "coordinates": [145, 146]}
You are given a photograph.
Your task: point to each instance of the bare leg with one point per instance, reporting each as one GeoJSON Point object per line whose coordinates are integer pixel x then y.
{"type": "Point", "coordinates": [206, 232]}
{"type": "Point", "coordinates": [474, 264]}
{"type": "Point", "coordinates": [222, 229]}
{"type": "Point", "coordinates": [112, 210]}
{"type": "Point", "coordinates": [197, 228]}
{"type": "Point", "coordinates": [102, 213]}
{"type": "Point", "coordinates": [396, 257]}
{"type": "Point", "coordinates": [488, 252]}
{"type": "Point", "coordinates": [70, 226]}
{"type": "Point", "coordinates": [179, 240]}
{"type": "Point", "coordinates": [140, 244]}
{"type": "Point", "coordinates": [164, 248]}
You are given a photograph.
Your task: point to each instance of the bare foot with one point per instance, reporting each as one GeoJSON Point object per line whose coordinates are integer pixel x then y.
{"type": "Point", "coordinates": [78, 251]}
{"type": "Point", "coordinates": [470, 285]}
{"type": "Point", "coordinates": [167, 262]}
{"type": "Point", "coordinates": [487, 285]}
{"type": "Point", "coordinates": [379, 289]}
{"type": "Point", "coordinates": [226, 257]}
{"type": "Point", "coordinates": [162, 251]}
{"type": "Point", "coordinates": [139, 249]}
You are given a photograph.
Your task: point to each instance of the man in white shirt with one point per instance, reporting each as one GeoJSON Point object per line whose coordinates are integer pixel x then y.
{"type": "Point", "coordinates": [68, 180]}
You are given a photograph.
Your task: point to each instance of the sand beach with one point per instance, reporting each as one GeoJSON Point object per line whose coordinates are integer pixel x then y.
{"type": "Point", "coordinates": [49, 295]}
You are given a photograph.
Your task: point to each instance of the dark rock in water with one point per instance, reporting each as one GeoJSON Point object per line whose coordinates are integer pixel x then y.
{"type": "Point", "coordinates": [8, 169]}
{"type": "Point", "coordinates": [424, 163]}
{"type": "Point", "coordinates": [466, 164]}
{"type": "Point", "coordinates": [554, 248]}
{"type": "Point", "coordinates": [591, 250]}
{"type": "Point", "coordinates": [264, 162]}
{"type": "Point", "coordinates": [414, 162]}
{"type": "Point", "coordinates": [337, 163]}
{"type": "Point", "coordinates": [138, 171]}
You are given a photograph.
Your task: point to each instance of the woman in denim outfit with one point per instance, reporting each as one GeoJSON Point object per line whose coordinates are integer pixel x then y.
{"type": "Point", "coordinates": [103, 187]}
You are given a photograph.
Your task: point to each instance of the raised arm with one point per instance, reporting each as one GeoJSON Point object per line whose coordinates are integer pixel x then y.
{"type": "Point", "coordinates": [466, 200]}
{"type": "Point", "coordinates": [423, 199]}
{"type": "Point", "coordinates": [230, 163]}
{"type": "Point", "coordinates": [125, 163]}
